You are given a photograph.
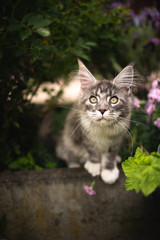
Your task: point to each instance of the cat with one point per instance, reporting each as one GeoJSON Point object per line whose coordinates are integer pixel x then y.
{"type": "Point", "coordinates": [95, 126]}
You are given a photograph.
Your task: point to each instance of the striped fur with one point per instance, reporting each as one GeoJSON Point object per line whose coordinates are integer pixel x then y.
{"type": "Point", "coordinates": [93, 132]}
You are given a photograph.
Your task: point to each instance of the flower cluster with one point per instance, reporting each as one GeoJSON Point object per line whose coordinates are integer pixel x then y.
{"type": "Point", "coordinates": [149, 16]}
{"type": "Point", "coordinates": [154, 100]}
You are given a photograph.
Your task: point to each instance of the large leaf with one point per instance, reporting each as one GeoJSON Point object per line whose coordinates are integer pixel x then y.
{"type": "Point", "coordinates": [38, 21]}
{"type": "Point", "coordinates": [142, 171]}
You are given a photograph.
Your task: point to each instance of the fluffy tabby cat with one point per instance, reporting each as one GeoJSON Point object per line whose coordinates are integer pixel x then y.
{"type": "Point", "coordinates": [95, 126]}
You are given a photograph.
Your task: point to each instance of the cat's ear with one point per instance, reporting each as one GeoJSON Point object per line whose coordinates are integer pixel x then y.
{"type": "Point", "coordinates": [125, 78]}
{"type": "Point", "coordinates": [86, 78]}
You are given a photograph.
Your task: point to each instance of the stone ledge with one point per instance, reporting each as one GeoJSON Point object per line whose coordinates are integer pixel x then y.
{"type": "Point", "coordinates": [32, 176]}
{"type": "Point", "coordinates": [52, 205]}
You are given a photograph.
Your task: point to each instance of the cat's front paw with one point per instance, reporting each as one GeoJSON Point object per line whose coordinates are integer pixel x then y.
{"type": "Point", "coordinates": [110, 176]}
{"type": "Point", "coordinates": [93, 168]}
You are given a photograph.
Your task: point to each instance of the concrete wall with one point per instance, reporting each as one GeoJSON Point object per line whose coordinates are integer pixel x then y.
{"type": "Point", "coordinates": [52, 205]}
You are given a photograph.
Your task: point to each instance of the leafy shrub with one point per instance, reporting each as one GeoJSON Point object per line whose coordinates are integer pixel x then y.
{"type": "Point", "coordinates": [40, 41]}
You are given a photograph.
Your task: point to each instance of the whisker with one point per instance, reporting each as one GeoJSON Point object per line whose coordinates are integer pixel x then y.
{"type": "Point", "coordinates": [73, 132]}
{"type": "Point", "coordinates": [70, 108]}
{"type": "Point", "coordinates": [71, 116]}
{"type": "Point", "coordinates": [127, 132]}
{"type": "Point", "coordinates": [133, 121]}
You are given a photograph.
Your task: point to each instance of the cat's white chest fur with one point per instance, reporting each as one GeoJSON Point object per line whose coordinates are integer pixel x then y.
{"type": "Point", "coordinates": [98, 134]}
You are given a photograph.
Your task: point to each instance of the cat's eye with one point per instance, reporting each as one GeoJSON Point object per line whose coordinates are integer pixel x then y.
{"type": "Point", "coordinates": [113, 100]}
{"type": "Point", "coordinates": [93, 99]}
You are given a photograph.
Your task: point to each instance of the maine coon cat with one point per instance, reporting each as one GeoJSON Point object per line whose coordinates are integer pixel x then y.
{"type": "Point", "coordinates": [95, 126]}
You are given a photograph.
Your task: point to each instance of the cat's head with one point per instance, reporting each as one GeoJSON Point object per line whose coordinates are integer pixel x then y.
{"type": "Point", "coordinates": [107, 100]}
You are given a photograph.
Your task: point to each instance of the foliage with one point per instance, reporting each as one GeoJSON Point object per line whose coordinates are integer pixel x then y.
{"type": "Point", "coordinates": [40, 41]}
{"type": "Point", "coordinates": [142, 171]}
{"type": "Point", "coordinates": [24, 163]}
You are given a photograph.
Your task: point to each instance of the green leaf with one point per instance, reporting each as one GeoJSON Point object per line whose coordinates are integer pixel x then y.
{"type": "Point", "coordinates": [92, 44]}
{"type": "Point", "coordinates": [143, 172]}
{"type": "Point", "coordinates": [158, 150]}
{"type": "Point", "coordinates": [24, 163]}
{"type": "Point", "coordinates": [42, 23]}
{"type": "Point", "coordinates": [25, 34]}
{"type": "Point", "coordinates": [79, 53]}
{"type": "Point", "coordinates": [44, 32]}
{"type": "Point", "coordinates": [33, 19]}
{"type": "Point", "coordinates": [38, 21]}
{"type": "Point", "coordinates": [156, 114]}
{"type": "Point", "coordinates": [51, 165]}
{"type": "Point", "coordinates": [37, 167]}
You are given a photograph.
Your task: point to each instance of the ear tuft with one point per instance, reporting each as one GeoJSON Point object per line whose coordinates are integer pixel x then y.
{"type": "Point", "coordinates": [125, 78]}
{"type": "Point", "coordinates": [86, 78]}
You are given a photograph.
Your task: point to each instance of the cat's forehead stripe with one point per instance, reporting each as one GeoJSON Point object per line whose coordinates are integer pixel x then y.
{"type": "Point", "coordinates": [103, 87]}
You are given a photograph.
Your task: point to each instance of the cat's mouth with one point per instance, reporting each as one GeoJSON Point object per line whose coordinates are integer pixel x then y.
{"type": "Point", "coordinates": [102, 119]}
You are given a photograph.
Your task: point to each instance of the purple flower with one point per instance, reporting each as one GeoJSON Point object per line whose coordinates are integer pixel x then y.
{"type": "Point", "coordinates": [155, 83]}
{"type": "Point", "coordinates": [154, 40]}
{"type": "Point", "coordinates": [149, 14]}
{"type": "Point", "coordinates": [89, 190]}
{"type": "Point", "coordinates": [136, 102]}
{"type": "Point", "coordinates": [150, 108]}
{"type": "Point", "coordinates": [154, 95]}
{"type": "Point", "coordinates": [132, 14]}
{"type": "Point", "coordinates": [157, 15]}
{"type": "Point", "coordinates": [157, 122]}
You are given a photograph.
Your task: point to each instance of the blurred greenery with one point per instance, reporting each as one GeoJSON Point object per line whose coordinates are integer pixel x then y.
{"type": "Point", "coordinates": [40, 41]}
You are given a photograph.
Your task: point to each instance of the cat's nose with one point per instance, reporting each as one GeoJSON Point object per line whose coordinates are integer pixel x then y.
{"type": "Point", "coordinates": [102, 111]}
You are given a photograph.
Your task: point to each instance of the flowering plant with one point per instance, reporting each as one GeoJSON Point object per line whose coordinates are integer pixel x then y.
{"type": "Point", "coordinates": [152, 106]}
{"type": "Point", "coordinates": [143, 170]}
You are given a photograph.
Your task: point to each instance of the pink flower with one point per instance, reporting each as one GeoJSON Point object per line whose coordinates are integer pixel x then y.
{"type": "Point", "coordinates": [150, 108]}
{"type": "Point", "coordinates": [136, 102]}
{"type": "Point", "coordinates": [154, 95]}
{"type": "Point", "coordinates": [155, 83]}
{"type": "Point", "coordinates": [89, 190]}
{"type": "Point", "coordinates": [157, 122]}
